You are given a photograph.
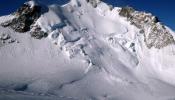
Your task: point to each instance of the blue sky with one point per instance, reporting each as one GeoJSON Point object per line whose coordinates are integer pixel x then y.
{"type": "Point", "coordinates": [164, 9]}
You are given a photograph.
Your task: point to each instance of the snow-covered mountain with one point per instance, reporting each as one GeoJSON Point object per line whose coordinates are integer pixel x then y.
{"type": "Point", "coordinates": [85, 50]}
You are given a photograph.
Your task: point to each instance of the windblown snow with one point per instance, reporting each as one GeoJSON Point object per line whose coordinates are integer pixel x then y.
{"type": "Point", "coordinates": [90, 53]}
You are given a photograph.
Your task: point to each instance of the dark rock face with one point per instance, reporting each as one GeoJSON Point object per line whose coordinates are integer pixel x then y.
{"type": "Point", "coordinates": [25, 17]}
{"type": "Point", "coordinates": [93, 2]}
{"type": "Point", "coordinates": [37, 33]}
{"type": "Point", "coordinates": [126, 12]}
{"type": "Point", "coordinates": [6, 39]}
{"type": "Point", "coordinates": [155, 34]}
{"type": "Point", "coordinates": [21, 87]}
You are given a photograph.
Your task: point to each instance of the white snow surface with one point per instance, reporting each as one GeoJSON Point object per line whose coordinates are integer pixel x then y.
{"type": "Point", "coordinates": [87, 56]}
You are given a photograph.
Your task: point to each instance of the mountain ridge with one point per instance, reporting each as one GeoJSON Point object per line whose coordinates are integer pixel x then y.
{"type": "Point", "coordinates": [99, 51]}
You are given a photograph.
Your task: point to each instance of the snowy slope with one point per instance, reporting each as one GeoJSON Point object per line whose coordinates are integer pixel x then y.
{"type": "Point", "coordinates": [90, 53]}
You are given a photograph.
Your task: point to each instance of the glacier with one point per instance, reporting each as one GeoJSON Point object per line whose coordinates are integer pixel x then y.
{"type": "Point", "coordinates": [92, 51]}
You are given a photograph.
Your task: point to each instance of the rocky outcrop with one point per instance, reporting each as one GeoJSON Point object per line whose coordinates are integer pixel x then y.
{"type": "Point", "coordinates": [37, 33]}
{"type": "Point", "coordinates": [6, 39]}
{"type": "Point", "coordinates": [155, 34]}
{"type": "Point", "coordinates": [93, 2]}
{"type": "Point", "coordinates": [158, 37]}
{"type": "Point", "coordinates": [25, 17]}
{"type": "Point", "coordinates": [126, 12]}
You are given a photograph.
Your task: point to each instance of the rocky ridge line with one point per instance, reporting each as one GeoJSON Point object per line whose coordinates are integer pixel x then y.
{"type": "Point", "coordinates": [155, 33]}
{"type": "Point", "coordinates": [25, 18]}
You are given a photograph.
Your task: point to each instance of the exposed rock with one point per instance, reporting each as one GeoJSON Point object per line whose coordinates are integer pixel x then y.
{"type": "Point", "coordinates": [37, 33]}
{"type": "Point", "coordinates": [6, 24]}
{"type": "Point", "coordinates": [158, 37]}
{"type": "Point", "coordinates": [111, 7]}
{"type": "Point", "coordinates": [155, 34]}
{"type": "Point", "coordinates": [5, 37]}
{"type": "Point", "coordinates": [142, 31]}
{"type": "Point", "coordinates": [25, 17]}
{"type": "Point", "coordinates": [126, 12]}
{"type": "Point", "coordinates": [155, 19]}
{"type": "Point", "coordinates": [11, 41]}
{"type": "Point", "coordinates": [132, 46]}
{"type": "Point", "coordinates": [94, 2]}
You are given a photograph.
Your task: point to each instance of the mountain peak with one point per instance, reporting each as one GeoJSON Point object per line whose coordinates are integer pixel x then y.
{"type": "Point", "coordinates": [98, 51]}
{"type": "Point", "coordinates": [24, 17]}
{"type": "Point", "coordinates": [30, 12]}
